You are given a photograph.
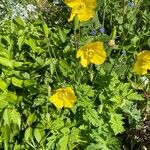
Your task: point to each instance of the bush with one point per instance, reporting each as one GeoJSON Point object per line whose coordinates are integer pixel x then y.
{"type": "Point", "coordinates": [40, 74]}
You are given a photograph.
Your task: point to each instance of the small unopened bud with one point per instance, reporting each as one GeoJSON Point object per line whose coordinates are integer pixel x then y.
{"type": "Point", "coordinates": [91, 76]}
{"type": "Point", "coordinates": [111, 43]}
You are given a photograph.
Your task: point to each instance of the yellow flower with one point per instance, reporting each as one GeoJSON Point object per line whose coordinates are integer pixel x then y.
{"type": "Point", "coordinates": [92, 53]}
{"type": "Point", "coordinates": [84, 9]}
{"type": "Point", "coordinates": [64, 97]}
{"type": "Point", "coordinates": [142, 65]}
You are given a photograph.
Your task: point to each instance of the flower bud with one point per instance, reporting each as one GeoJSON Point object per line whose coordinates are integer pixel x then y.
{"type": "Point", "coordinates": [111, 43]}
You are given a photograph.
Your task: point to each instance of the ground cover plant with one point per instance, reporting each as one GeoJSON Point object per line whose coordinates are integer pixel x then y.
{"type": "Point", "coordinates": [74, 75]}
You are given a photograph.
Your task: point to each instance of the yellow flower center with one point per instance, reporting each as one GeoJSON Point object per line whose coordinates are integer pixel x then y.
{"type": "Point", "coordinates": [63, 95]}
{"type": "Point", "coordinates": [89, 53]}
{"type": "Point", "coordinates": [80, 8]}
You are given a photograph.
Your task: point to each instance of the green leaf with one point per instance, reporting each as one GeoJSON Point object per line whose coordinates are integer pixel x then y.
{"type": "Point", "coordinates": [3, 103]}
{"type": "Point", "coordinates": [134, 40]}
{"type": "Point", "coordinates": [28, 134]}
{"type": "Point", "coordinates": [29, 83]}
{"type": "Point", "coordinates": [64, 64]}
{"type": "Point", "coordinates": [116, 123]}
{"type": "Point", "coordinates": [3, 85]}
{"type": "Point", "coordinates": [85, 90]}
{"type": "Point", "coordinates": [6, 62]}
{"type": "Point", "coordinates": [5, 130]}
{"type": "Point", "coordinates": [17, 82]}
{"type": "Point", "coordinates": [49, 62]}
{"type": "Point", "coordinates": [32, 43]}
{"type": "Point", "coordinates": [63, 142]}
{"type": "Point", "coordinates": [92, 116]}
{"type": "Point", "coordinates": [15, 117]}
{"type": "Point", "coordinates": [21, 41]}
{"type": "Point", "coordinates": [45, 28]}
{"type": "Point", "coordinates": [62, 35]}
{"type": "Point", "coordinates": [20, 21]}
{"type": "Point", "coordinates": [17, 64]}
{"type": "Point", "coordinates": [65, 130]}
{"type": "Point", "coordinates": [38, 134]}
{"type": "Point", "coordinates": [74, 137]}
{"type": "Point", "coordinates": [7, 117]}
{"type": "Point", "coordinates": [51, 142]}
{"type": "Point", "coordinates": [57, 124]}
{"type": "Point", "coordinates": [4, 52]}
{"type": "Point", "coordinates": [10, 97]}
{"type": "Point", "coordinates": [135, 96]}
{"type": "Point", "coordinates": [31, 118]}
{"type": "Point", "coordinates": [96, 20]}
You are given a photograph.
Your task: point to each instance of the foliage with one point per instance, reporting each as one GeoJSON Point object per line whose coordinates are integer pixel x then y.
{"type": "Point", "coordinates": [38, 57]}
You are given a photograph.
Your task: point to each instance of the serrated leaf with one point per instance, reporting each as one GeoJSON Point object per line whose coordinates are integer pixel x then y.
{"type": "Point", "coordinates": [85, 90]}
{"type": "Point", "coordinates": [116, 123]}
{"type": "Point", "coordinates": [135, 96]}
{"type": "Point", "coordinates": [73, 137]}
{"type": "Point", "coordinates": [93, 117]}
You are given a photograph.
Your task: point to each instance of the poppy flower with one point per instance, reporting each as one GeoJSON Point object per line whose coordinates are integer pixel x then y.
{"type": "Point", "coordinates": [64, 97]}
{"type": "Point", "coordinates": [92, 53]}
{"type": "Point", "coordinates": [142, 64]}
{"type": "Point", "coordinates": [84, 9]}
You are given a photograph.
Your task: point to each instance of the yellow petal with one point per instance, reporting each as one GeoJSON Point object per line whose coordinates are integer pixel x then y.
{"type": "Point", "coordinates": [68, 103]}
{"type": "Point", "coordinates": [86, 15]}
{"type": "Point", "coordinates": [79, 53]}
{"type": "Point", "coordinates": [98, 58]}
{"type": "Point", "coordinates": [138, 69]}
{"type": "Point", "coordinates": [72, 3]}
{"type": "Point", "coordinates": [83, 9]}
{"type": "Point", "coordinates": [142, 65]}
{"type": "Point", "coordinates": [70, 99]}
{"type": "Point", "coordinates": [97, 46]}
{"type": "Point", "coordinates": [72, 15]}
{"type": "Point", "coordinates": [69, 89]}
{"type": "Point", "coordinates": [56, 101]}
{"type": "Point", "coordinates": [84, 61]}
{"type": "Point", "coordinates": [144, 53]}
{"type": "Point", "coordinates": [90, 3]}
